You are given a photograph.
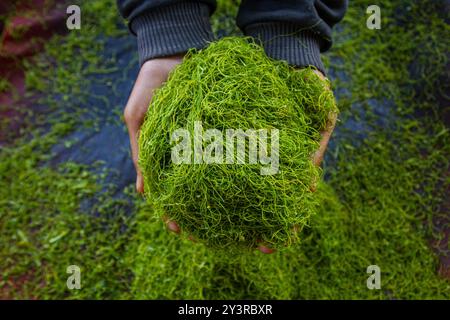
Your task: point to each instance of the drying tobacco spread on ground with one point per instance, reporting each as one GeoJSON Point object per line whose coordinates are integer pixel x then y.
{"type": "Point", "coordinates": [386, 176]}
{"type": "Point", "coordinates": [245, 169]}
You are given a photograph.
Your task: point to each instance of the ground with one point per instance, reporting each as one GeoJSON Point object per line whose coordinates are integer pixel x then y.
{"type": "Point", "coordinates": [66, 187]}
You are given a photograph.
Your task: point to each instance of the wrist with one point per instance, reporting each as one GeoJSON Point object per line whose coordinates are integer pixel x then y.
{"type": "Point", "coordinates": [285, 41]}
{"type": "Point", "coordinates": [172, 30]}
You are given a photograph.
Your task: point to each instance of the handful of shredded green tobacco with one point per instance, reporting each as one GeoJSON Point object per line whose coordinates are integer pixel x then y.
{"type": "Point", "coordinates": [227, 143]}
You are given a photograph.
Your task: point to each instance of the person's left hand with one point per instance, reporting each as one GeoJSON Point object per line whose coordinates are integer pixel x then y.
{"type": "Point", "coordinates": [326, 134]}
{"type": "Point", "coordinates": [318, 155]}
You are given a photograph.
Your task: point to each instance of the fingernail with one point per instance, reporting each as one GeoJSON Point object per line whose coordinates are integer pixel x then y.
{"type": "Point", "coordinates": [172, 226]}
{"type": "Point", "coordinates": [265, 250]}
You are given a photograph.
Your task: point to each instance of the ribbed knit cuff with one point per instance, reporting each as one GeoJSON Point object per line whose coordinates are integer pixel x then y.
{"type": "Point", "coordinates": [284, 41]}
{"type": "Point", "coordinates": [172, 29]}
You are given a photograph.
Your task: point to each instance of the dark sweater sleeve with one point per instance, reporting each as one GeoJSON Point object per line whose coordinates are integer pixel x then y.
{"type": "Point", "coordinates": [292, 30]}
{"type": "Point", "coordinates": [168, 27]}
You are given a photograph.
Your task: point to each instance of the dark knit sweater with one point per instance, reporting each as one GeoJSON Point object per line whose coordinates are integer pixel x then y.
{"type": "Point", "coordinates": [292, 30]}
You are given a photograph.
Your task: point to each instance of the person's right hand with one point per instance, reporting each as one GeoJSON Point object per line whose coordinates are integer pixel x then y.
{"type": "Point", "coordinates": [152, 75]}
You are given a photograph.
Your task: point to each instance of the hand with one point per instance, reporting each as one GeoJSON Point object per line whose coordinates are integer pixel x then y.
{"type": "Point", "coordinates": [318, 155]}
{"type": "Point", "coordinates": [326, 134]}
{"type": "Point", "coordinates": [152, 75]}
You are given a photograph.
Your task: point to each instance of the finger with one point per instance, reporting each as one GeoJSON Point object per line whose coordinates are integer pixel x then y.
{"type": "Point", "coordinates": [171, 225]}
{"type": "Point", "coordinates": [326, 135]}
{"type": "Point", "coordinates": [133, 133]}
{"type": "Point", "coordinates": [134, 115]}
{"type": "Point", "coordinates": [139, 182]}
{"type": "Point", "coordinates": [320, 74]}
{"type": "Point", "coordinates": [313, 186]}
{"type": "Point", "coordinates": [152, 75]}
{"type": "Point", "coordinates": [265, 250]}
{"type": "Point", "coordinates": [134, 140]}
